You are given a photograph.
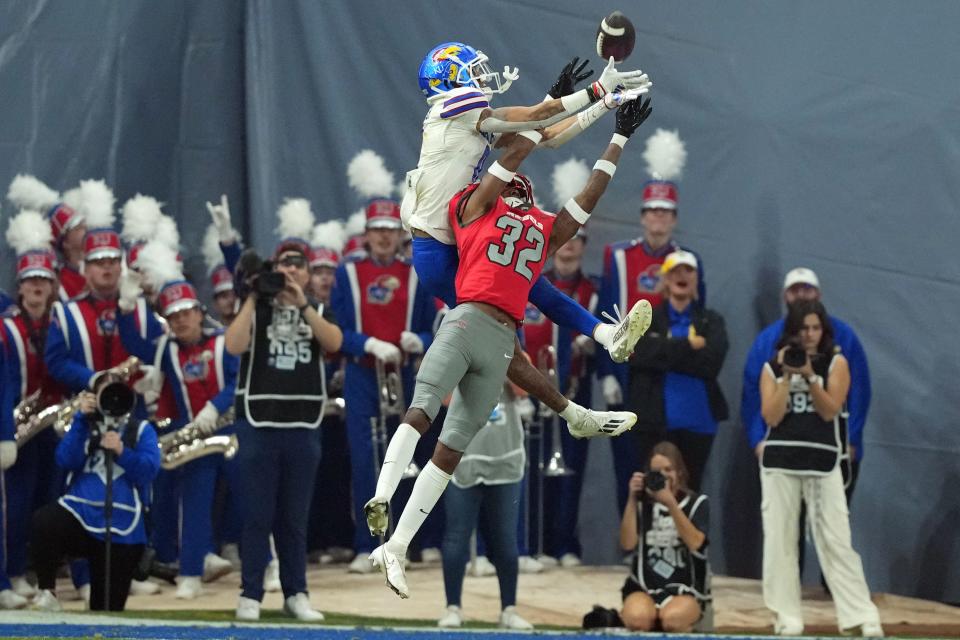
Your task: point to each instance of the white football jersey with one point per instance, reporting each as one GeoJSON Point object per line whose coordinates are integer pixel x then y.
{"type": "Point", "coordinates": [451, 156]}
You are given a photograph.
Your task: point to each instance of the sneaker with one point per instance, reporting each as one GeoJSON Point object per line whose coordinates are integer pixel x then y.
{"type": "Point", "coordinates": [527, 564]}
{"type": "Point", "coordinates": [431, 555]}
{"type": "Point", "coordinates": [22, 587]}
{"type": "Point", "coordinates": [248, 610]}
{"type": "Point", "coordinates": [45, 600]}
{"type": "Point", "coordinates": [570, 560]}
{"type": "Point", "coordinates": [298, 606]}
{"type": "Point", "coordinates": [392, 568]}
{"type": "Point", "coordinates": [627, 331]}
{"type": "Point", "coordinates": [231, 553]}
{"type": "Point", "coordinates": [788, 628]}
{"type": "Point", "coordinates": [510, 619]}
{"type": "Point", "coordinates": [377, 511]}
{"type": "Point", "coordinates": [361, 564]}
{"type": "Point", "coordinates": [548, 562]}
{"type": "Point", "coordinates": [189, 588]}
{"type": "Point", "coordinates": [481, 567]}
{"type": "Point", "coordinates": [589, 423]}
{"type": "Point", "coordinates": [83, 593]}
{"type": "Point", "coordinates": [452, 618]}
{"type": "Point", "coordinates": [137, 588]}
{"type": "Point", "coordinates": [271, 577]}
{"type": "Point", "coordinates": [215, 567]}
{"type": "Point", "coordinates": [10, 599]}
{"type": "Point", "coordinates": [871, 630]}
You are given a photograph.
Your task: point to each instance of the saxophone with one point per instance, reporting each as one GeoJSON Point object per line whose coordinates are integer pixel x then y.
{"type": "Point", "coordinates": [60, 415]}
{"type": "Point", "coordinates": [192, 441]}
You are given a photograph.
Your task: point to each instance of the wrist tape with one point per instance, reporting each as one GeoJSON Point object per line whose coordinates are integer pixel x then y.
{"type": "Point", "coordinates": [619, 139]}
{"type": "Point", "coordinates": [605, 166]}
{"type": "Point", "coordinates": [497, 171]}
{"type": "Point", "coordinates": [576, 211]}
{"type": "Point", "coordinates": [533, 136]}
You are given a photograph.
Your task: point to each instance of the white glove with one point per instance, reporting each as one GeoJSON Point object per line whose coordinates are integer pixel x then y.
{"type": "Point", "coordinates": [584, 345]}
{"type": "Point", "coordinates": [411, 342]}
{"type": "Point", "coordinates": [220, 213]}
{"type": "Point", "coordinates": [382, 350]}
{"type": "Point", "coordinates": [611, 390]}
{"type": "Point", "coordinates": [620, 96]}
{"type": "Point", "coordinates": [611, 78]}
{"type": "Point", "coordinates": [206, 418]}
{"type": "Point", "coordinates": [8, 454]}
{"type": "Point", "coordinates": [526, 409]}
{"type": "Point", "coordinates": [130, 290]}
{"type": "Point", "coordinates": [149, 386]}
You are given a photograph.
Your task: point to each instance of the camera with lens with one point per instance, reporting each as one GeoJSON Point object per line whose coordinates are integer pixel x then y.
{"type": "Point", "coordinates": [257, 275]}
{"type": "Point", "coordinates": [795, 356]}
{"type": "Point", "coordinates": [654, 481]}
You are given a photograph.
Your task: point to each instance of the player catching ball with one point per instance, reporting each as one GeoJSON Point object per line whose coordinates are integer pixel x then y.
{"type": "Point", "coordinates": [503, 240]}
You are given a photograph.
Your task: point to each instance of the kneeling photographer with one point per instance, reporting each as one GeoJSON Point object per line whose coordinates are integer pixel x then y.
{"type": "Point", "coordinates": [281, 335]}
{"type": "Point", "coordinates": [666, 524]}
{"type": "Point", "coordinates": [109, 456]}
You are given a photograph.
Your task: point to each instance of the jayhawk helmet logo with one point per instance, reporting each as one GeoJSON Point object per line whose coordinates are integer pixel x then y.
{"type": "Point", "coordinates": [380, 291]}
{"type": "Point", "coordinates": [454, 64]}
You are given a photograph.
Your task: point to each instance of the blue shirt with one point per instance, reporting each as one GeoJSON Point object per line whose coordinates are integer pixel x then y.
{"type": "Point", "coordinates": [685, 400]}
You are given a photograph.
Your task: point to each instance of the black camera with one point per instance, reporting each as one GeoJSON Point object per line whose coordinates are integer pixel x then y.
{"type": "Point", "coordinates": [256, 274]}
{"type": "Point", "coordinates": [654, 481]}
{"type": "Point", "coordinates": [795, 356]}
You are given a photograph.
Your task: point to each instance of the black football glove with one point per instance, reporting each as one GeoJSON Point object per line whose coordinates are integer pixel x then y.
{"type": "Point", "coordinates": [631, 115]}
{"type": "Point", "coordinates": [569, 77]}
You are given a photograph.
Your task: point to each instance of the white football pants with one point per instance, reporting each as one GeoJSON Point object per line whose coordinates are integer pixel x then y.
{"type": "Point", "coordinates": [829, 521]}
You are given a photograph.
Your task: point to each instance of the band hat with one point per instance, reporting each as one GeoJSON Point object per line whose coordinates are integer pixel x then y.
{"type": "Point", "coordinates": [37, 264]}
{"type": "Point", "coordinates": [324, 257]}
{"type": "Point", "coordinates": [801, 275]}
{"type": "Point", "coordinates": [177, 296]}
{"type": "Point", "coordinates": [660, 194]}
{"type": "Point", "coordinates": [221, 279]}
{"type": "Point", "coordinates": [296, 221]}
{"type": "Point", "coordinates": [383, 213]}
{"type": "Point", "coordinates": [666, 156]}
{"type": "Point", "coordinates": [677, 258]}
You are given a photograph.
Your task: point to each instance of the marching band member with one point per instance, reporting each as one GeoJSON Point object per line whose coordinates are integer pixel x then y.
{"type": "Point", "coordinates": [203, 377]}
{"type": "Point", "coordinates": [67, 223]}
{"type": "Point", "coordinates": [225, 300]}
{"type": "Point", "coordinates": [24, 331]}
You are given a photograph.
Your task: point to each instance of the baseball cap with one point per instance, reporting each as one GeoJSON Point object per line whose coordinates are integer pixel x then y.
{"type": "Point", "coordinates": [676, 259]}
{"type": "Point", "coordinates": [801, 275]}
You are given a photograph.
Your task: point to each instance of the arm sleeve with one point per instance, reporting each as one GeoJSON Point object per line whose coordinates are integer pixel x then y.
{"type": "Point", "coordinates": [64, 369]}
{"type": "Point", "coordinates": [71, 451]}
{"type": "Point", "coordinates": [133, 342]}
{"type": "Point", "coordinates": [341, 300]}
{"type": "Point", "coordinates": [142, 462]}
{"type": "Point", "coordinates": [231, 366]}
{"type": "Point", "coordinates": [231, 254]}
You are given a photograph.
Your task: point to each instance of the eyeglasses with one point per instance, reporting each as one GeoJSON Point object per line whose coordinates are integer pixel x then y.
{"type": "Point", "coordinates": [293, 260]}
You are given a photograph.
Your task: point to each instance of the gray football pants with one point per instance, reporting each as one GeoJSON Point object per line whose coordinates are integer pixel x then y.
{"type": "Point", "coordinates": [469, 357]}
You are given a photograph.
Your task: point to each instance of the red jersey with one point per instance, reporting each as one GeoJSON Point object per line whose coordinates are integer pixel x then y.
{"type": "Point", "coordinates": [72, 283]}
{"type": "Point", "coordinates": [382, 297]}
{"type": "Point", "coordinates": [501, 253]}
{"type": "Point", "coordinates": [634, 272]}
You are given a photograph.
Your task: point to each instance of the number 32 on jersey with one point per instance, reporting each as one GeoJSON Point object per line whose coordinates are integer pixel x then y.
{"type": "Point", "coordinates": [505, 252]}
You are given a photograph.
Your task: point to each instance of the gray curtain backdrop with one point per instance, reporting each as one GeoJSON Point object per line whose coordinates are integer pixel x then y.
{"type": "Point", "coordinates": [819, 133]}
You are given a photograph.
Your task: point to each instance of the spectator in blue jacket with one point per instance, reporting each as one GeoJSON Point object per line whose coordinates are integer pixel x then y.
{"type": "Point", "coordinates": [802, 284]}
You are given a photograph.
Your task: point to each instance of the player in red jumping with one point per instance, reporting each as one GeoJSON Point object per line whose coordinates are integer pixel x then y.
{"type": "Point", "coordinates": [503, 240]}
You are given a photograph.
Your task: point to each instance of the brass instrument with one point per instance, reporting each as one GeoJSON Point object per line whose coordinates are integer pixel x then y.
{"type": "Point", "coordinates": [390, 389]}
{"type": "Point", "coordinates": [555, 466]}
{"type": "Point", "coordinates": [192, 441]}
{"type": "Point", "coordinates": [60, 415]}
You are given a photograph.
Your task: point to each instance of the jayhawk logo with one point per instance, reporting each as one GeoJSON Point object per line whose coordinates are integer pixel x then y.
{"type": "Point", "coordinates": [107, 322]}
{"type": "Point", "coordinates": [380, 291]}
{"type": "Point", "coordinates": [649, 278]}
{"type": "Point", "coordinates": [443, 54]}
{"type": "Point", "coordinates": [197, 367]}
{"type": "Point", "coordinates": [533, 315]}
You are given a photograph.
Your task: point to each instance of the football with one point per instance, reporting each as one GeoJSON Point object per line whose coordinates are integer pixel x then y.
{"type": "Point", "coordinates": [615, 37]}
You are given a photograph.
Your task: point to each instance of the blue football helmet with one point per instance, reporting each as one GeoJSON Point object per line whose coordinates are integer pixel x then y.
{"type": "Point", "coordinates": [454, 64]}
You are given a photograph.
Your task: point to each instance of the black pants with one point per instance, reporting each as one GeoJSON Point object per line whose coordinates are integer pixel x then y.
{"type": "Point", "coordinates": [57, 534]}
{"type": "Point", "coordinates": [695, 448]}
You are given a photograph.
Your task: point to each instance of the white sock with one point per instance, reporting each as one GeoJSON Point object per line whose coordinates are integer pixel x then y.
{"type": "Point", "coordinates": [426, 491]}
{"type": "Point", "coordinates": [571, 412]}
{"type": "Point", "coordinates": [603, 334]}
{"type": "Point", "coordinates": [396, 459]}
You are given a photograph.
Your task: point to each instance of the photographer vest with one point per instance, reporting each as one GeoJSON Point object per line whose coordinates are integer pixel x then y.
{"type": "Point", "coordinates": [282, 379]}
{"type": "Point", "coordinates": [803, 442]}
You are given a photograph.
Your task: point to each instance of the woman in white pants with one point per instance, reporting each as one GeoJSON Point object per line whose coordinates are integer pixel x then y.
{"type": "Point", "coordinates": [803, 390]}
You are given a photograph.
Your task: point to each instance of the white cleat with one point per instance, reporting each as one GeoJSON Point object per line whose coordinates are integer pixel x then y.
{"type": "Point", "coordinates": [392, 568]}
{"type": "Point", "coordinates": [627, 331]}
{"type": "Point", "coordinates": [377, 511]}
{"type": "Point", "coordinates": [590, 424]}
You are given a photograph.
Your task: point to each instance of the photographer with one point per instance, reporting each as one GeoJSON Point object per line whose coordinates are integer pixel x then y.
{"type": "Point", "coordinates": [803, 390]}
{"type": "Point", "coordinates": [74, 526]}
{"type": "Point", "coordinates": [281, 335]}
{"type": "Point", "coordinates": [666, 524]}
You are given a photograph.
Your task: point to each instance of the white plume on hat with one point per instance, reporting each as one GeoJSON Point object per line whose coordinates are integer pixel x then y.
{"type": "Point", "coordinates": [167, 232]}
{"type": "Point", "coordinates": [140, 216]}
{"type": "Point", "coordinates": [569, 178]}
{"type": "Point", "coordinates": [158, 264]}
{"type": "Point", "coordinates": [356, 223]}
{"type": "Point", "coordinates": [29, 231]}
{"type": "Point", "coordinates": [71, 198]}
{"type": "Point", "coordinates": [28, 192]}
{"type": "Point", "coordinates": [96, 203]}
{"type": "Point", "coordinates": [368, 175]}
{"type": "Point", "coordinates": [665, 155]}
{"type": "Point", "coordinates": [330, 234]}
{"type": "Point", "coordinates": [212, 254]}
{"type": "Point", "coordinates": [296, 219]}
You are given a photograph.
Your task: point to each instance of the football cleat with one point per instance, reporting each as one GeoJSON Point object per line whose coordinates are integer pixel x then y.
{"type": "Point", "coordinates": [589, 423]}
{"type": "Point", "coordinates": [393, 569]}
{"type": "Point", "coordinates": [377, 511]}
{"type": "Point", "coordinates": [627, 331]}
